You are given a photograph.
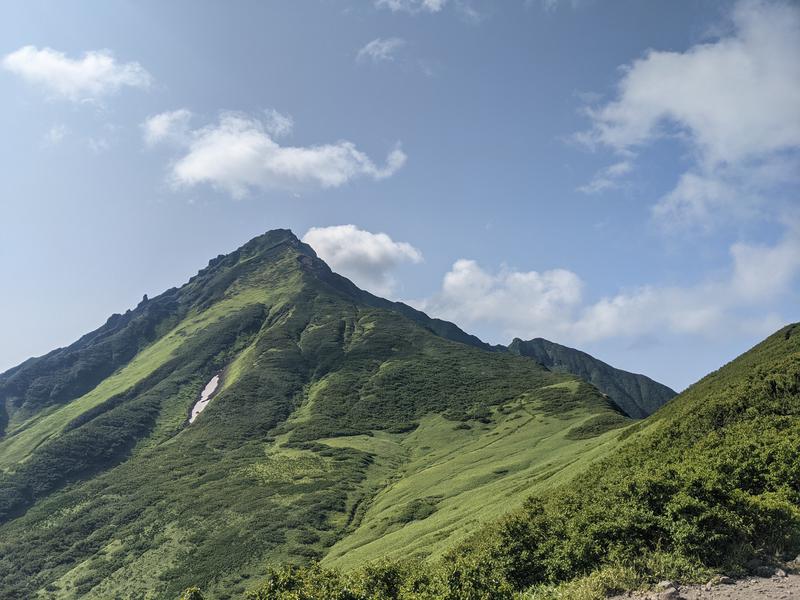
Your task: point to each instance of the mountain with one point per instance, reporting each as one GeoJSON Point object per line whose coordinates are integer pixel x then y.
{"type": "Point", "coordinates": [637, 395]}
{"type": "Point", "coordinates": [335, 425]}
{"type": "Point", "coordinates": [709, 484]}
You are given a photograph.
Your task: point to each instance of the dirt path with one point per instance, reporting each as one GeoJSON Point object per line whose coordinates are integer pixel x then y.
{"type": "Point", "coordinates": [751, 588]}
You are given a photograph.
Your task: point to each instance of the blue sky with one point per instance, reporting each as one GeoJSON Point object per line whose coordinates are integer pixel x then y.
{"type": "Point", "coordinates": [617, 176]}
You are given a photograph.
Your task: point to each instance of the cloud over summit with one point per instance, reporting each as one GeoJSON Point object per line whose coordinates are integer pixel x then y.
{"type": "Point", "coordinates": [365, 257]}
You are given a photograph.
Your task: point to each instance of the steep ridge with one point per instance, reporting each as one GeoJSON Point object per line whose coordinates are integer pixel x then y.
{"type": "Point", "coordinates": [341, 421]}
{"type": "Point", "coordinates": [40, 384]}
{"type": "Point", "coordinates": [637, 395]}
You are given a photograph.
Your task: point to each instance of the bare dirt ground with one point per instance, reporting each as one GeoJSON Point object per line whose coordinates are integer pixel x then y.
{"type": "Point", "coordinates": [750, 588]}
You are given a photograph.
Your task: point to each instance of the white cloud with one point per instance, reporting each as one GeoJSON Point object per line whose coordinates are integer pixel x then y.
{"type": "Point", "coordinates": [607, 178]}
{"type": "Point", "coordinates": [239, 153]}
{"type": "Point", "coordinates": [172, 125]}
{"type": "Point", "coordinates": [735, 101]}
{"type": "Point", "coordinates": [364, 257]}
{"type": "Point", "coordinates": [380, 50]}
{"type": "Point", "coordinates": [513, 300]}
{"type": "Point", "coordinates": [55, 135]}
{"type": "Point", "coordinates": [412, 6]}
{"type": "Point", "coordinates": [551, 303]}
{"type": "Point", "coordinates": [761, 272]}
{"type": "Point", "coordinates": [94, 75]}
{"type": "Point", "coordinates": [98, 145]}
{"type": "Point", "coordinates": [551, 5]}
{"type": "Point", "coordinates": [735, 98]}
{"type": "Point", "coordinates": [705, 200]}
{"type": "Point", "coordinates": [277, 124]}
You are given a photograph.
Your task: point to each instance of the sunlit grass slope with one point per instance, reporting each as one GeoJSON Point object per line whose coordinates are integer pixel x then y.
{"type": "Point", "coordinates": [448, 479]}
{"type": "Point", "coordinates": [709, 484]}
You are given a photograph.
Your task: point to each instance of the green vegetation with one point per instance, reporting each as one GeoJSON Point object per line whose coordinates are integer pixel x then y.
{"type": "Point", "coordinates": [709, 483]}
{"type": "Point", "coordinates": [348, 429]}
{"type": "Point", "coordinates": [469, 476]}
{"type": "Point", "coordinates": [345, 426]}
{"type": "Point", "coordinates": [638, 396]}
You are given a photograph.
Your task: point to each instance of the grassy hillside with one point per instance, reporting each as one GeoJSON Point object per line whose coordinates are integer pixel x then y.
{"type": "Point", "coordinates": [637, 395]}
{"type": "Point", "coordinates": [707, 484]}
{"type": "Point", "coordinates": [345, 427]}
{"type": "Point", "coordinates": [451, 475]}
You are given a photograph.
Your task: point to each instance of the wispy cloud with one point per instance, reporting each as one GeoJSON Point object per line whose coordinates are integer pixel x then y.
{"type": "Point", "coordinates": [171, 125]}
{"type": "Point", "coordinates": [239, 153]}
{"type": "Point", "coordinates": [55, 135]}
{"type": "Point", "coordinates": [464, 9]}
{"type": "Point", "coordinates": [94, 75]}
{"type": "Point", "coordinates": [607, 178]}
{"type": "Point", "coordinates": [277, 124]}
{"type": "Point", "coordinates": [380, 50]}
{"type": "Point", "coordinates": [412, 6]}
{"type": "Point", "coordinates": [551, 5]}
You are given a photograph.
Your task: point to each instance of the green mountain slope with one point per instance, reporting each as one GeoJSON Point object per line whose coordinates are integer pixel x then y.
{"type": "Point", "coordinates": [637, 395]}
{"type": "Point", "coordinates": [344, 427]}
{"type": "Point", "coordinates": [709, 483]}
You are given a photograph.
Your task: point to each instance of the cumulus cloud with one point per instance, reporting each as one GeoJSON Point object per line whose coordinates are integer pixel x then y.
{"type": "Point", "coordinates": [759, 274]}
{"type": "Point", "coordinates": [380, 50]}
{"type": "Point", "coordinates": [239, 153]}
{"type": "Point", "coordinates": [171, 125]}
{"type": "Point", "coordinates": [734, 100]}
{"type": "Point", "coordinates": [552, 304]}
{"type": "Point", "coordinates": [762, 272]}
{"type": "Point", "coordinates": [366, 258]}
{"type": "Point", "coordinates": [511, 299]}
{"type": "Point", "coordinates": [97, 73]}
{"type": "Point", "coordinates": [412, 6]}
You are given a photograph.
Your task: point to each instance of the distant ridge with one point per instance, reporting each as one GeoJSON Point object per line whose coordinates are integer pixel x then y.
{"type": "Point", "coordinates": [637, 395]}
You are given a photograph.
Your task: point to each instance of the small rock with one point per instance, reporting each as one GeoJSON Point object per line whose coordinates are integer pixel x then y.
{"type": "Point", "coordinates": [780, 573]}
{"type": "Point", "coordinates": [723, 580]}
{"type": "Point", "coordinates": [714, 581]}
{"type": "Point", "coordinates": [666, 584]}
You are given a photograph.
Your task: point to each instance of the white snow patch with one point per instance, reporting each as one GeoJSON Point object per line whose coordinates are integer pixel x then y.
{"type": "Point", "coordinates": [205, 398]}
